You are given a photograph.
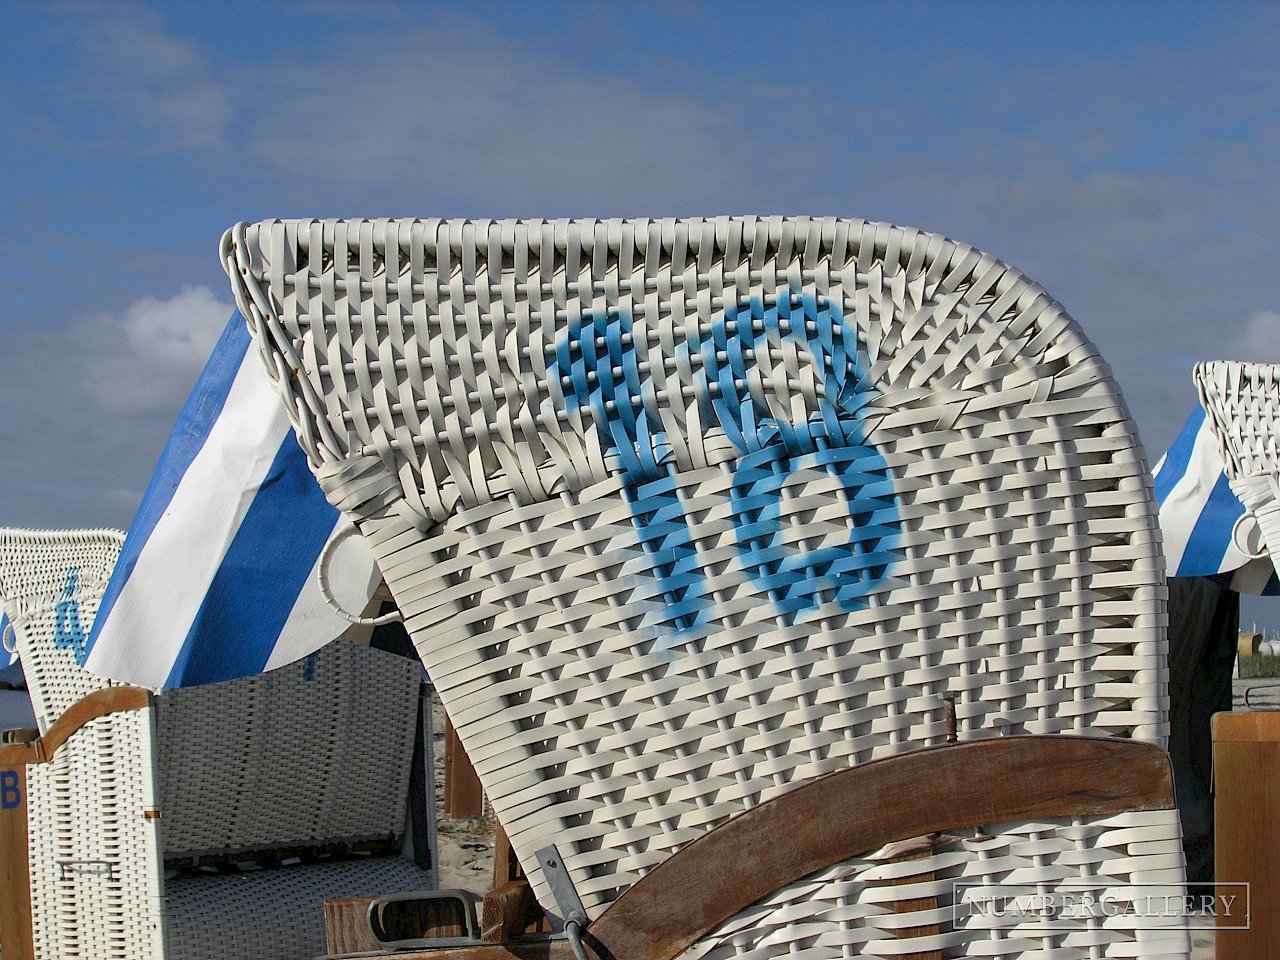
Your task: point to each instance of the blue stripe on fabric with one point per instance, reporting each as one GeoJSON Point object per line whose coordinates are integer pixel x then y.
{"type": "Point", "coordinates": [264, 571]}
{"type": "Point", "coordinates": [186, 440]}
{"type": "Point", "coordinates": [4, 633]}
{"type": "Point", "coordinates": [1211, 534]}
{"type": "Point", "coordinates": [1174, 467]}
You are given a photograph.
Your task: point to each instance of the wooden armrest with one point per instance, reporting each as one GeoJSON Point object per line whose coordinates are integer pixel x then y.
{"type": "Point", "coordinates": [850, 813]}
{"type": "Point", "coordinates": [100, 703]}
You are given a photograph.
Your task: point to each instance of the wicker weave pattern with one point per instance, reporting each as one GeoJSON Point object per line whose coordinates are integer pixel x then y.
{"type": "Point", "coordinates": [92, 852]}
{"type": "Point", "coordinates": [863, 905]}
{"type": "Point", "coordinates": [207, 914]}
{"type": "Point", "coordinates": [52, 581]}
{"type": "Point", "coordinates": [232, 756]}
{"type": "Point", "coordinates": [310, 755]}
{"type": "Point", "coordinates": [681, 513]}
{"type": "Point", "coordinates": [1242, 401]}
{"type": "Point", "coordinates": [313, 751]}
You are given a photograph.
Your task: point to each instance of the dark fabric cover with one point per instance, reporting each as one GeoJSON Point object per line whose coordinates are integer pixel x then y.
{"type": "Point", "coordinates": [11, 677]}
{"type": "Point", "coordinates": [1204, 622]}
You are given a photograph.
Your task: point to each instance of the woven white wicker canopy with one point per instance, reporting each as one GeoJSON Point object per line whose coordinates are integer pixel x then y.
{"type": "Point", "coordinates": [684, 513]}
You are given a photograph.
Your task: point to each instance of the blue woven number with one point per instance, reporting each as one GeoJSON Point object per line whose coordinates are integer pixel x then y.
{"type": "Point", "coordinates": [773, 449]}
{"type": "Point", "coordinates": [68, 632]}
{"type": "Point", "coordinates": [600, 369]}
{"type": "Point", "coordinates": [600, 361]}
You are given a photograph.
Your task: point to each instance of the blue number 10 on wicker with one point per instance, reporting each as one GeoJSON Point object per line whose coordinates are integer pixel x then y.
{"type": "Point", "coordinates": [786, 455]}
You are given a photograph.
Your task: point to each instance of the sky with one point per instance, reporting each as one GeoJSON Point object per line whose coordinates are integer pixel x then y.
{"type": "Point", "coordinates": [1123, 155]}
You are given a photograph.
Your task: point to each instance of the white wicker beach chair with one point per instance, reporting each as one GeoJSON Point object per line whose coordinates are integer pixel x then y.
{"type": "Point", "coordinates": [683, 515]}
{"type": "Point", "coordinates": [1242, 404]}
{"type": "Point", "coordinates": [202, 822]}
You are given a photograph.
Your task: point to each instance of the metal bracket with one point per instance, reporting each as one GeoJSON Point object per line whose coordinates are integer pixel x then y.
{"type": "Point", "coordinates": [561, 884]}
{"type": "Point", "coordinates": [92, 868]}
{"type": "Point", "coordinates": [567, 899]}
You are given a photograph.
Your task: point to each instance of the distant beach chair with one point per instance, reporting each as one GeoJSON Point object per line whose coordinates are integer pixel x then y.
{"type": "Point", "coordinates": [1242, 407]}
{"type": "Point", "coordinates": [685, 515]}
{"type": "Point", "coordinates": [202, 822]}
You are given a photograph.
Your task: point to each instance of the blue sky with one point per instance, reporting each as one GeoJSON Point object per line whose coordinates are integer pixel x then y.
{"type": "Point", "coordinates": [1122, 154]}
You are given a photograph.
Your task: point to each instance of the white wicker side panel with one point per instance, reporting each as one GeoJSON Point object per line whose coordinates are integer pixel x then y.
{"type": "Point", "coordinates": [52, 582]}
{"type": "Point", "coordinates": [316, 751]}
{"type": "Point", "coordinates": [96, 877]}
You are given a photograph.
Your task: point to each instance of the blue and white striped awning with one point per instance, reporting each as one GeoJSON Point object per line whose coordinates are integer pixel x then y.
{"type": "Point", "coordinates": [217, 576]}
{"type": "Point", "coordinates": [1198, 512]}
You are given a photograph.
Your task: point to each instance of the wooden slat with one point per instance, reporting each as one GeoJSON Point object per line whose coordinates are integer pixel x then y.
{"type": "Point", "coordinates": [505, 865]}
{"type": "Point", "coordinates": [927, 850]}
{"type": "Point", "coordinates": [346, 925]}
{"type": "Point", "coordinates": [91, 707]}
{"type": "Point", "coordinates": [854, 811]}
{"type": "Point", "coordinates": [850, 813]}
{"type": "Point", "coordinates": [15, 878]}
{"type": "Point", "coordinates": [1246, 776]}
{"type": "Point", "coordinates": [463, 794]}
{"type": "Point", "coordinates": [506, 911]}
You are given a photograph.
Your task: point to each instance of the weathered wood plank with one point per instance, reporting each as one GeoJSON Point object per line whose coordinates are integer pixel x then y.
{"type": "Point", "coordinates": [507, 911]}
{"type": "Point", "coordinates": [15, 878]}
{"type": "Point", "coordinates": [346, 925]}
{"type": "Point", "coordinates": [463, 793]}
{"type": "Point", "coordinates": [1246, 777]}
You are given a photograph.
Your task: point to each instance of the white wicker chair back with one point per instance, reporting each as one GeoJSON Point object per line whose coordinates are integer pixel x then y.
{"type": "Point", "coordinates": [311, 754]}
{"type": "Point", "coordinates": [682, 513]}
{"type": "Point", "coordinates": [52, 582]}
{"type": "Point", "coordinates": [1242, 404]}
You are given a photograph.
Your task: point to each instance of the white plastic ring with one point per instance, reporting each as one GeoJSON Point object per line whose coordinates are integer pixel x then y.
{"type": "Point", "coordinates": [1246, 534]}
{"type": "Point", "coordinates": [4, 638]}
{"type": "Point", "coordinates": [322, 577]}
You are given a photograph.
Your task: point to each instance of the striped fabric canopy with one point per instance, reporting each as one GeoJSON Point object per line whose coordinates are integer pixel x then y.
{"type": "Point", "coordinates": [217, 578]}
{"type": "Point", "coordinates": [1198, 512]}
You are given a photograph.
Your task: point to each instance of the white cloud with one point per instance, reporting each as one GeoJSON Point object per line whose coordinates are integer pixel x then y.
{"type": "Point", "coordinates": [156, 86]}
{"type": "Point", "coordinates": [148, 357]}
{"type": "Point", "coordinates": [1257, 340]}
{"type": "Point", "coordinates": [180, 330]}
{"type": "Point", "coordinates": [457, 115]}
